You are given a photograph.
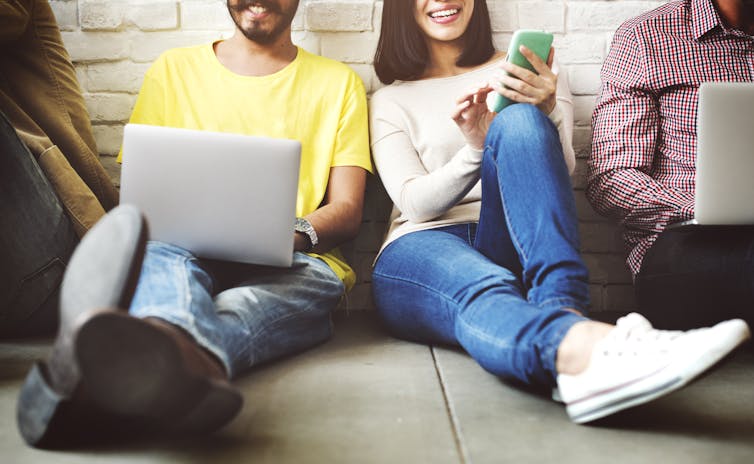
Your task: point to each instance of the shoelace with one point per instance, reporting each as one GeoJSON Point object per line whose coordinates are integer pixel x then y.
{"type": "Point", "coordinates": [634, 335]}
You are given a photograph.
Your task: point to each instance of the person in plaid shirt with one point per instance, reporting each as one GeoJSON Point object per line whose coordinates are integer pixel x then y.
{"type": "Point", "coordinates": [642, 168]}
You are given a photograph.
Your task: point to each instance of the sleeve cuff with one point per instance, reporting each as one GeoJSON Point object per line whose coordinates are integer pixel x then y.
{"type": "Point", "coordinates": [556, 115]}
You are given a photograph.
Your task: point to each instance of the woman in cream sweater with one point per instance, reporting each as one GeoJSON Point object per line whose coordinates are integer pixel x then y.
{"type": "Point", "coordinates": [483, 248]}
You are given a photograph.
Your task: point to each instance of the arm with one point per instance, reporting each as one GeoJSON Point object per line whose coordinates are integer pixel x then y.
{"type": "Point", "coordinates": [420, 195]}
{"type": "Point", "coordinates": [624, 144]}
{"type": "Point", "coordinates": [14, 19]}
{"type": "Point", "coordinates": [338, 220]}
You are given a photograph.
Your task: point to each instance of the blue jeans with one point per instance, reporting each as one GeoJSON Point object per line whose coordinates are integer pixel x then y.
{"type": "Point", "coordinates": [499, 289]}
{"type": "Point", "coordinates": [243, 314]}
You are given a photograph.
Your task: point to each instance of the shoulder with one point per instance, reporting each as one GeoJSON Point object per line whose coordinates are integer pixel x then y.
{"type": "Point", "coordinates": [326, 69]}
{"type": "Point", "coordinates": [389, 99]}
{"type": "Point", "coordinates": [180, 57]}
{"type": "Point", "coordinates": [659, 19]}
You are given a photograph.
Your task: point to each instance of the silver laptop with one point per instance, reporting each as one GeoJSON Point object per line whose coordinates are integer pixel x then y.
{"type": "Point", "coordinates": [725, 156]}
{"type": "Point", "coordinates": [222, 196]}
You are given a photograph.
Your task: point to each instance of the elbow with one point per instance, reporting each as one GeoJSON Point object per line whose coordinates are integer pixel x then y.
{"type": "Point", "coordinates": [418, 216]}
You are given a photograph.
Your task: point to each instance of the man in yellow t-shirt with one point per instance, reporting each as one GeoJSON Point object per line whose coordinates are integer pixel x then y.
{"type": "Point", "coordinates": [192, 323]}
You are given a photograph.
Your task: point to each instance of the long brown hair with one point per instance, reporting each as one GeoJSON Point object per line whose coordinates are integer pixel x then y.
{"type": "Point", "coordinates": [402, 53]}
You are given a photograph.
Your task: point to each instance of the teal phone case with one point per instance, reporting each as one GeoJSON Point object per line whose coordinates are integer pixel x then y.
{"type": "Point", "coordinates": [537, 41]}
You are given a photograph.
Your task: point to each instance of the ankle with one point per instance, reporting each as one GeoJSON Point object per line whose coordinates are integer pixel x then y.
{"type": "Point", "coordinates": [575, 350]}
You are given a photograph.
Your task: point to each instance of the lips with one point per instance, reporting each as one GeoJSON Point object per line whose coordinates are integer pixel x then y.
{"type": "Point", "coordinates": [444, 15]}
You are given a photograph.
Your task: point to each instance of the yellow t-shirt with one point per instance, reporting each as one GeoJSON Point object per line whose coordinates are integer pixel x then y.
{"type": "Point", "coordinates": [315, 100]}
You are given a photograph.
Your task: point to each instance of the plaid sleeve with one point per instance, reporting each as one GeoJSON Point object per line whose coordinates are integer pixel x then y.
{"type": "Point", "coordinates": [624, 143]}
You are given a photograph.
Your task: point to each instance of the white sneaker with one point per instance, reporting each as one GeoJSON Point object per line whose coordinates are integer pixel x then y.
{"type": "Point", "coordinates": [635, 364]}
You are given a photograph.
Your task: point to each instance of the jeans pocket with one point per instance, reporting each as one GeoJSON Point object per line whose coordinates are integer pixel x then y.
{"type": "Point", "coordinates": [32, 293]}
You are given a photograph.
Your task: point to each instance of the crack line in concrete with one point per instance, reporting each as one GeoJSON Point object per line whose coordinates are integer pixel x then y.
{"type": "Point", "coordinates": [457, 434]}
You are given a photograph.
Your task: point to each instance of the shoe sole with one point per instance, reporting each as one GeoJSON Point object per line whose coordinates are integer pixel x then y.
{"type": "Point", "coordinates": [657, 384]}
{"type": "Point", "coordinates": [130, 368]}
{"type": "Point", "coordinates": [42, 413]}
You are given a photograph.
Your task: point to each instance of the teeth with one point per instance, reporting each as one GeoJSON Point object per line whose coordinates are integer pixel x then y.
{"type": "Point", "coordinates": [256, 9]}
{"type": "Point", "coordinates": [444, 13]}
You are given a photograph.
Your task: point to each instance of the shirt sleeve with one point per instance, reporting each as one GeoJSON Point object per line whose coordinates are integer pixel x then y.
{"type": "Point", "coordinates": [624, 143]}
{"type": "Point", "coordinates": [14, 19]}
{"type": "Point", "coordinates": [562, 117]}
{"type": "Point", "coordinates": [419, 195]}
{"type": "Point", "coordinates": [150, 104]}
{"type": "Point", "coordinates": [352, 139]}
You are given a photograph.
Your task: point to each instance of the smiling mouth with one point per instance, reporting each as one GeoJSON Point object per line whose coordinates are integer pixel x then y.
{"type": "Point", "coordinates": [443, 14]}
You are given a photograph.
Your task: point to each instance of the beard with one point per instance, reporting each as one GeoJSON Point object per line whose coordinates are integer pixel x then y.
{"type": "Point", "coordinates": [255, 30]}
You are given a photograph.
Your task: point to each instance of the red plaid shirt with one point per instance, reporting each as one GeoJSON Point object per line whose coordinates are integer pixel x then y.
{"type": "Point", "coordinates": [642, 168]}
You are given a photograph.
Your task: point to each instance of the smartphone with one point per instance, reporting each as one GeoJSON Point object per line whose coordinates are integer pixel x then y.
{"type": "Point", "coordinates": [537, 41]}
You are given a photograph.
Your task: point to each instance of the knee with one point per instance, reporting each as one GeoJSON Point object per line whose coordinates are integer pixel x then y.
{"type": "Point", "coordinates": [520, 123]}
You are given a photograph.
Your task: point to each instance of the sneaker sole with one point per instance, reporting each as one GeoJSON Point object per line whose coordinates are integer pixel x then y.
{"type": "Point", "coordinates": [661, 382]}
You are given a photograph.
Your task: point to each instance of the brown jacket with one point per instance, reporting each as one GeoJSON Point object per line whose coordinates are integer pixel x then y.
{"type": "Point", "coordinates": [40, 95]}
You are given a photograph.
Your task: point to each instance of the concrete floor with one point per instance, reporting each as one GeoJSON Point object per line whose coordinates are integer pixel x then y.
{"type": "Point", "coordinates": [367, 398]}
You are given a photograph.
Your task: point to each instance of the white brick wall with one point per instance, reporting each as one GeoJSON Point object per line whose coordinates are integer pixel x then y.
{"type": "Point", "coordinates": [112, 43]}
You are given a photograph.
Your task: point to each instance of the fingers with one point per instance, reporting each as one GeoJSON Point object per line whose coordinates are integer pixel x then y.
{"type": "Point", "coordinates": [524, 86]}
{"type": "Point", "coordinates": [458, 113]}
{"type": "Point", "coordinates": [475, 94]}
{"type": "Point", "coordinates": [539, 66]}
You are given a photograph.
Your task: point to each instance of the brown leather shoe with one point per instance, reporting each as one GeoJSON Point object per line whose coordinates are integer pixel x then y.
{"type": "Point", "coordinates": [101, 276]}
{"type": "Point", "coordinates": [153, 371]}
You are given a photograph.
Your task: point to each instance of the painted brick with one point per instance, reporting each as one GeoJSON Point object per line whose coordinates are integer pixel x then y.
{"type": "Point", "coordinates": [582, 141]}
{"type": "Point", "coordinates": [205, 15]}
{"type": "Point", "coordinates": [95, 46]}
{"type": "Point", "coordinates": [145, 48]}
{"type": "Point", "coordinates": [578, 178]}
{"type": "Point", "coordinates": [595, 297]}
{"type": "Point", "coordinates": [154, 16]}
{"type": "Point", "coordinates": [112, 167]}
{"type": "Point", "coordinates": [122, 76]}
{"type": "Point", "coordinates": [603, 16]}
{"type": "Point", "coordinates": [349, 47]}
{"type": "Point", "coordinates": [309, 41]}
{"type": "Point", "coordinates": [377, 18]}
{"type": "Point", "coordinates": [66, 14]}
{"type": "Point", "coordinates": [580, 48]}
{"type": "Point", "coordinates": [584, 79]}
{"type": "Point", "coordinates": [503, 15]}
{"type": "Point", "coordinates": [370, 236]}
{"type": "Point", "coordinates": [366, 74]}
{"type": "Point", "coordinates": [108, 137]}
{"type": "Point", "coordinates": [600, 237]}
{"type": "Point", "coordinates": [299, 21]}
{"type": "Point", "coordinates": [343, 15]}
{"type": "Point", "coordinates": [359, 299]}
{"type": "Point", "coordinates": [607, 268]}
{"type": "Point", "coordinates": [102, 15]}
{"type": "Point", "coordinates": [584, 210]}
{"type": "Point", "coordinates": [583, 107]}
{"type": "Point", "coordinates": [109, 107]}
{"type": "Point", "coordinates": [620, 298]}
{"type": "Point", "coordinates": [546, 16]}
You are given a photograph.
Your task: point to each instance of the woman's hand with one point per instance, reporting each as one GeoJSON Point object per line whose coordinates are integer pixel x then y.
{"type": "Point", "coordinates": [524, 86]}
{"type": "Point", "coordinates": [472, 116]}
